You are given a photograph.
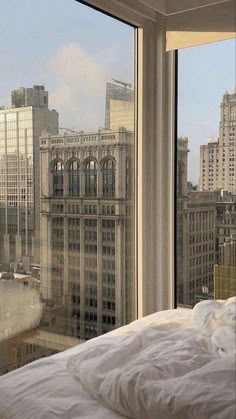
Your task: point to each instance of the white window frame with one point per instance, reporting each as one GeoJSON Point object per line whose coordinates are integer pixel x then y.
{"type": "Point", "coordinates": [155, 177]}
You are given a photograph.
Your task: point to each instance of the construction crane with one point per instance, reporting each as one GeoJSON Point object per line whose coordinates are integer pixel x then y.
{"type": "Point", "coordinates": [123, 83]}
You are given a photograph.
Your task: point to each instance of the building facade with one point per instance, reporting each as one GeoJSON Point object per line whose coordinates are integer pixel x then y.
{"type": "Point", "coordinates": [20, 128]}
{"type": "Point", "coordinates": [225, 271]}
{"type": "Point", "coordinates": [218, 158]}
{"type": "Point", "coordinates": [225, 217]}
{"type": "Point", "coordinates": [87, 229]}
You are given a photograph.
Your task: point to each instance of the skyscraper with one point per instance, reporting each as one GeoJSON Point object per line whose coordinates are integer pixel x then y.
{"type": "Point", "coordinates": [20, 128]}
{"type": "Point", "coordinates": [218, 158]}
{"type": "Point", "coordinates": [119, 109]}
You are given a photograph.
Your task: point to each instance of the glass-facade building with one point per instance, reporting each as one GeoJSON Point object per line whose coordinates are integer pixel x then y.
{"type": "Point", "coordinates": [20, 129]}
{"type": "Point", "coordinates": [119, 107]}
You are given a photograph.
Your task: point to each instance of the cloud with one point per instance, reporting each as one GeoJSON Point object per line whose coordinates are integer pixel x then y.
{"type": "Point", "coordinates": [79, 87]}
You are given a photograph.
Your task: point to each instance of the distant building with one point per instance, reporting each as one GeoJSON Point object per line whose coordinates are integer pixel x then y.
{"type": "Point", "coordinates": [209, 162]}
{"type": "Point", "coordinates": [196, 234]}
{"type": "Point", "coordinates": [35, 96]}
{"type": "Point", "coordinates": [119, 108]}
{"type": "Point", "coordinates": [20, 128]}
{"type": "Point", "coordinates": [87, 230]}
{"type": "Point", "coordinates": [192, 187]}
{"type": "Point", "coordinates": [218, 158]}
{"type": "Point", "coordinates": [225, 272]}
{"type": "Point", "coordinates": [16, 352]}
{"type": "Point", "coordinates": [227, 252]}
{"type": "Point", "coordinates": [31, 345]}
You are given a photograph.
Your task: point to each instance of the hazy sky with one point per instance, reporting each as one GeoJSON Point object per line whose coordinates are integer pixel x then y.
{"type": "Point", "coordinates": [71, 49]}
{"type": "Point", "coordinates": [74, 50]}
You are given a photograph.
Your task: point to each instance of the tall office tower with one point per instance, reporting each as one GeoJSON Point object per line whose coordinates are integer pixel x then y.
{"type": "Point", "coordinates": [218, 158]}
{"type": "Point", "coordinates": [87, 230]}
{"type": "Point", "coordinates": [195, 234]}
{"type": "Point", "coordinates": [119, 108]}
{"type": "Point", "coordinates": [225, 271]}
{"type": "Point", "coordinates": [20, 128]}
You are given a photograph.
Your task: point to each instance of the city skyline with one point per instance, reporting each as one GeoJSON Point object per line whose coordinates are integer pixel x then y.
{"type": "Point", "coordinates": [203, 78]}
{"type": "Point", "coordinates": [193, 152]}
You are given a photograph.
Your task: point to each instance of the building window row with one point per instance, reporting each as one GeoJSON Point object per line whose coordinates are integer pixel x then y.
{"type": "Point", "coordinates": [90, 170]}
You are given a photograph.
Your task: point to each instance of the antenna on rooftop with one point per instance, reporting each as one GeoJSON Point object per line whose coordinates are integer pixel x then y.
{"type": "Point", "coordinates": [69, 130]}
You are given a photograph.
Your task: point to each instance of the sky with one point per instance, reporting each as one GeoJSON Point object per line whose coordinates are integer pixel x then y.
{"type": "Point", "coordinates": [74, 50]}
{"type": "Point", "coordinates": [68, 47]}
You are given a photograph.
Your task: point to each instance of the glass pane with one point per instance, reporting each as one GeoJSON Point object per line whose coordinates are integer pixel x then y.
{"type": "Point", "coordinates": [66, 178]}
{"type": "Point", "coordinates": [206, 174]}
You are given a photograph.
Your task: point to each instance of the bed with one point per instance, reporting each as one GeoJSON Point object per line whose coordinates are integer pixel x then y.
{"type": "Point", "coordinates": [161, 366]}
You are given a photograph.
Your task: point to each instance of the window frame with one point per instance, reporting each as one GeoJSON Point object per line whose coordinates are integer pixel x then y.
{"type": "Point", "coordinates": [156, 86]}
{"type": "Point", "coordinates": [156, 200]}
{"type": "Point", "coordinates": [156, 134]}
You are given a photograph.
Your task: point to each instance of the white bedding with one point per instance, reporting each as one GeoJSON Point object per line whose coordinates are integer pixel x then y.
{"type": "Point", "coordinates": [44, 390]}
{"type": "Point", "coordinates": [51, 388]}
{"type": "Point", "coordinates": [164, 371]}
{"type": "Point", "coordinates": [217, 321]}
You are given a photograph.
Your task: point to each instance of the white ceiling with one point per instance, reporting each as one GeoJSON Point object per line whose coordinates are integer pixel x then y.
{"type": "Point", "coordinates": [171, 7]}
{"type": "Point", "coordinates": [187, 22]}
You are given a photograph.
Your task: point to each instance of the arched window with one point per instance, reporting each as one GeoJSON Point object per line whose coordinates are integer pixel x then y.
{"type": "Point", "coordinates": [108, 178]}
{"type": "Point", "coordinates": [58, 178]}
{"type": "Point", "coordinates": [74, 178]}
{"type": "Point", "coordinates": [91, 178]}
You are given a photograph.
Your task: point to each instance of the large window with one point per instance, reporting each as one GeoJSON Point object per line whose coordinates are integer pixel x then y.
{"type": "Point", "coordinates": [74, 178]}
{"type": "Point", "coordinates": [206, 174]}
{"type": "Point", "coordinates": [108, 178]}
{"type": "Point", "coordinates": [91, 178]}
{"type": "Point", "coordinates": [66, 237]}
{"type": "Point", "coordinates": [58, 178]}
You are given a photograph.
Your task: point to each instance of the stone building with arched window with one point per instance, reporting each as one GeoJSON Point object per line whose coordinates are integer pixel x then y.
{"type": "Point", "coordinates": [87, 229]}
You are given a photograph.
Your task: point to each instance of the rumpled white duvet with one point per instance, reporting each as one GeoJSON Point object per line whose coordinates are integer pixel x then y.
{"type": "Point", "coordinates": [166, 371]}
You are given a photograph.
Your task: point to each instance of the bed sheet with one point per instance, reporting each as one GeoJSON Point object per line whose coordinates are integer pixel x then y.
{"type": "Point", "coordinates": [46, 390]}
